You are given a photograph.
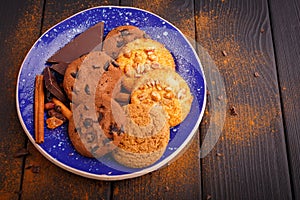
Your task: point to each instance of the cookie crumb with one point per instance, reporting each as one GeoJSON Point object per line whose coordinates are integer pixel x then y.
{"type": "Point", "coordinates": [208, 197]}
{"type": "Point", "coordinates": [207, 92]}
{"type": "Point", "coordinates": [233, 110]}
{"type": "Point", "coordinates": [21, 153]}
{"type": "Point", "coordinates": [219, 154]}
{"type": "Point", "coordinates": [220, 97]}
{"type": "Point", "coordinates": [167, 188]}
{"type": "Point", "coordinates": [256, 74]}
{"type": "Point", "coordinates": [262, 30]}
{"type": "Point", "coordinates": [35, 169]}
{"type": "Point", "coordinates": [28, 166]}
{"type": "Point", "coordinates": [224, 53]}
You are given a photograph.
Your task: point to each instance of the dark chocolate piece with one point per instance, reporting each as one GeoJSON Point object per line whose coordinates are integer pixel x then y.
{"type": "Point", "coordinates": [60, 67]}
{"type": "Point", "coordinates": [52, 85]}
{"type": "Point", "coordinates": [82, 44]}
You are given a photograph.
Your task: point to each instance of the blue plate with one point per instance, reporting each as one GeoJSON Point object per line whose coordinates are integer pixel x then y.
{"type": "Point", "coordinates": [57, 146]}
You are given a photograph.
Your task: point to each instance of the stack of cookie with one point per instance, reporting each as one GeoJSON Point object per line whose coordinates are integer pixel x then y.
{"type": "Point", "coordinates": [124, 97]}
{"type": "Point", "coordinates": [159, 99]}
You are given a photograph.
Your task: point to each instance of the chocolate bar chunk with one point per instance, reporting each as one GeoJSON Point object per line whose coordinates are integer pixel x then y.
{"type": "Point", "coordinates": [52, 85]}
{"type": "Point", "coordinates": [60, 68]}
{"type": "Point", "coordinates": [80, 45]}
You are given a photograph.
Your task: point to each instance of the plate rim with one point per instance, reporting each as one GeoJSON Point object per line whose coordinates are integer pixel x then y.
{"type": "Point", "coordinates": [105, 177]}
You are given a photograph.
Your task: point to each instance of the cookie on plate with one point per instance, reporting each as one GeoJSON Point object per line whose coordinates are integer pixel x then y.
{"type": "Point", "coordinates": [95, 63]}
{"type": "Point", "coordinates": [120, 36]}
{"type": "Point", "coordinates": [86, 135]}
{"type": "Point", "coordinates": [146, 136]}
{"type": "Point", "coordinates": [168, 88]}
{"type": "Point", "coordinates": [141, 56]}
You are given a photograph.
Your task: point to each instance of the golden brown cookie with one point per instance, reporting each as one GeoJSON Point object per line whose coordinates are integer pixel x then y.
{"type": "Point", "coordinates": [168, 88]}
{"type": "Point", "coordinates": [141, 56]}
{"type": "Point", "coordinates": [146, 136]}
{"type": "Point", "coordinates": [120, 36]}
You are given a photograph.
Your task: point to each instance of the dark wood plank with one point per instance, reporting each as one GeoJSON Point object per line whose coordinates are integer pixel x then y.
{"type": "Point", "coordinates": [249, 160]}
{"type": "Point", "coordinates": [285, 28]}
{"type": "Point", "coordinates": [181, 179]}
{"type": "Point", "coordinates": [46, 180]}
{"type": "Point", "coordinates": [19, 27]}
{"type": "Point", "coordinates": [53, 182]}
{"type": "Point", "coordinates": [57, 11]}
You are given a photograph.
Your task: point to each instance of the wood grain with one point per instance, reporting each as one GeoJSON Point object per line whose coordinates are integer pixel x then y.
{"type": "Point", "coordinates": [16, 39]}
{"type": "Point", "coordinates": [249, 160]}
{"type": "Point", "coordinates": [44, 180]}
{"type": "Point", "coordinates": [180, 179]}
{"type": "Point", "coordinates": [285, 28]}
{"type": "Point", "coordinates": [52, 182]}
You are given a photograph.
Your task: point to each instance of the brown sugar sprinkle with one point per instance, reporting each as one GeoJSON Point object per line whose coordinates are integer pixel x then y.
{"type": "Point", "coordinates": [245, 120]}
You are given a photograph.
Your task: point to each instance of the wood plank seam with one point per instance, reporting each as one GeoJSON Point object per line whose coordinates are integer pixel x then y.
{"type": "Point", "coordinates": [27, 140]}
{"type": "Point", "coordinates": [281, 101]}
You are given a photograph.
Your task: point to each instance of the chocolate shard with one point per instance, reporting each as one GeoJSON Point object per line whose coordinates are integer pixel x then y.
{"type": "Point", "coordinates": [82, 44]}
{"type": "Point", "coordinates": [52, 85]}
{"type": "Point", "coordinates": [60, 67]}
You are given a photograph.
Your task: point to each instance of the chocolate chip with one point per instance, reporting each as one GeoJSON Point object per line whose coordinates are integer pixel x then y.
{"type": "Point", "coordinates": [106, 65]}
{"type": "Point", "coordinates": [122, 129]}
{"type": "Point", "coordinates": [113, 128]}
{"type": "Point", "coordinates": [124, 32]}
{"type": "Point", "coordinates": [120, 43]}
{"type": "Point", "coordinates": [88, 122]}
{"type": "Point", "coordinates": [87, 89]}
{"type": "Point", "coordinates": [114, 54]}
{"type": "Point", "coordinates": [105, 141]}
{"type": "Point", "coordinates": [100, 117]}
{"type": "Point", "coordinates": [95, 67]}
{"type": "Point", "coordinates": [90, 137]}
{"type": "Point", "coordinates": [94, 149]}
{"type": "Point", "coordinates": [115, 64]}
{"type": "Point", "coordinates": [74, 74]}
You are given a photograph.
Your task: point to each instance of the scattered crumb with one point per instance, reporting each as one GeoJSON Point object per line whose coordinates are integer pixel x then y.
{"type": "Point", "coordinates": [21, 153]}
{"type": "Point", "coordinates": [224, 53]}
{"type": "Point", "coordinates": [219, 154]}
{"type": "Point", "coordinates": [233, 110]}
{"type": "Point", "coordinates": [35, 169]}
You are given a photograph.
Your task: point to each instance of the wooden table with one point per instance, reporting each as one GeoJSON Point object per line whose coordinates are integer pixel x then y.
{"type": "Point", "coordinates": [255, 45]}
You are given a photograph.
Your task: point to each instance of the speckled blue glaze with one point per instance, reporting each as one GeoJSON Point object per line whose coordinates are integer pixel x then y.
{"type": "Point", "coordinates": [57, 146]}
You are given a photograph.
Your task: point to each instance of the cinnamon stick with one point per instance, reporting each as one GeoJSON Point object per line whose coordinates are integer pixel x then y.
{"type": "Point", "coordinates": [39, 99]}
